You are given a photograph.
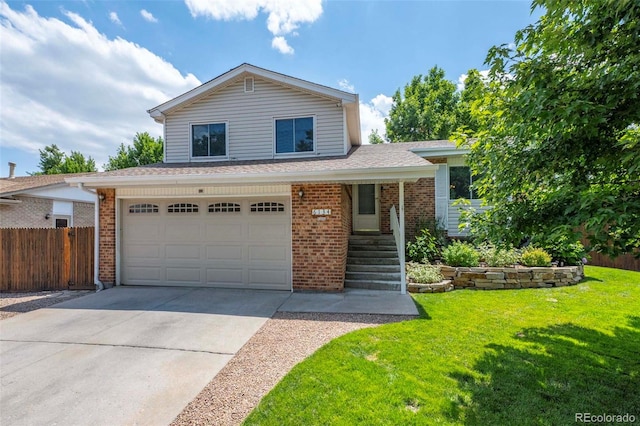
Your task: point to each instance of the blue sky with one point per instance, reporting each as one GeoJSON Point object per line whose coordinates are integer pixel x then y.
{"type": "Point", "coordinates": [81, 74]}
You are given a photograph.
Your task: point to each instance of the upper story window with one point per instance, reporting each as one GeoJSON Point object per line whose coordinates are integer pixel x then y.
{"type": "Point", "coordinates": [209, 140]}
{"type": "Point", "coordinates": [461, 184]}
{"type": "Point", "coordinates": [295, 135]}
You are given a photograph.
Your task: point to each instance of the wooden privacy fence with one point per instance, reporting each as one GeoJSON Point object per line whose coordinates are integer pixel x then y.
{"type": "Point", "coordinates": [46, 259]}
{"type": "Point", "coordinates": [625, 261]}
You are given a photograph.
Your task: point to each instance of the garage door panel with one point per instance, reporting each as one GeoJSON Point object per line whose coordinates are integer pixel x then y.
{"type": "Point", "coordinates": [182, 251]}
{"type": "Point", "coordinates": [224, 252]}
{"type": "Point", "coordinates": [267, 253]}
{"type": "Point", "coordinates": [236, 249]}
{"type": "Point", "coordinates": [183, 274]}
{"type": "Point", "coordinates": [143, 251]}
{"type": "Point", "coordinates": [225, 232]}
{"type": "Point", "coordinates": [268, 231]}
{"type": "Point", "coordinates": [183, 230]}
{"type": "Point", "coordinates": [225, 275]}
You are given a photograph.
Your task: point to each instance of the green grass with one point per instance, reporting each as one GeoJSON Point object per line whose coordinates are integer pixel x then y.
{"type": "Point", "coordinates": [522, 357]}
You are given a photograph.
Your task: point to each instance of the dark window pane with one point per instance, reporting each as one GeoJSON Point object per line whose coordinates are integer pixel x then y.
{"type": "Point", "coordinates": [367, 199]}
{"type": "Point", "coordinates": [200, 141]}
{"type": "Point", "coordinates": [459, 182]}
{"type": "Point", "coordinates": [284, 136]}
{"type": "Point", "coordinates": [218, 143]}
{"type": "Point", "coordinates": [304, 134]}
{"type": "Point", "coordinates": [62, 223]}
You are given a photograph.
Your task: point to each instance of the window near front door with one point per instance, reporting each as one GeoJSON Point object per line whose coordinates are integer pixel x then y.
{"type": "Point", "coordinates": [367, 199]}
{"type": "Point", "coordinates": [209, 140]}
{"type": "Point", "coordinates": [461, 184]}
{"type": "Point", "coordinates": [294, 135]}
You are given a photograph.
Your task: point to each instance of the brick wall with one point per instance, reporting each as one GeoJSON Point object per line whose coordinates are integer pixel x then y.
{"type": "Point", "coordinates": [107, 235]}
{"type": "Point", "coordinates": [28, 214]}
{"type": "Point", "coordinates": [419, 204]}
{"type": "Point", "coordinates": [319, 243]}
{"type": "Point", "coordinates": [83, 214]}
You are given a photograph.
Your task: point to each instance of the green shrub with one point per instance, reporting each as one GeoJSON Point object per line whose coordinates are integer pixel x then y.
{"type": "Point", "coordinates": [563, 250]}
{"type": "Point", "coordinates": [533, 256]}
{"type": "Point", "coordinates": [424, 248]}
{"type": "Point", "coordinates": [498, 257]}
{"type": "Point", "coordinates": [423, 274]}
{"type": "Point", "coordinates": [460, 254]}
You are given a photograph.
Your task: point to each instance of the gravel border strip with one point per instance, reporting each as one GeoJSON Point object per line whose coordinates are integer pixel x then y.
{"type": "Point", "coordinates": [281, 343]}
{"type": "Point", "coordinates": [12, 304]}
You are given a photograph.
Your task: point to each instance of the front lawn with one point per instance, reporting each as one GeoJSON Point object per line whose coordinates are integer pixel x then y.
{"type": "Point", "coordinates": [519, 357]}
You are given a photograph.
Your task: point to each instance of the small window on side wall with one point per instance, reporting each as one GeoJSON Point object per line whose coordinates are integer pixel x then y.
{"type": "Point", "coordinates": [209, 140]}
{"type": "Point", "coordinates": [295, 135]}
{"type": "Point", "coordinates": [461, 184]}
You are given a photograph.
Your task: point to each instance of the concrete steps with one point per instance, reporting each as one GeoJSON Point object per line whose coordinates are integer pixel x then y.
{"type": "Point", "coordinates": [373, 263]}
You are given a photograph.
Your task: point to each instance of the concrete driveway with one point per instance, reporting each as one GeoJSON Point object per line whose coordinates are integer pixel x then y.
{"type": "Point", "coordinates": [123, 356]}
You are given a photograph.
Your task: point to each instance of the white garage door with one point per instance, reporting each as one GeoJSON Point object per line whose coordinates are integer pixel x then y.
{"type": "Point", "coordinates": [218, 243]}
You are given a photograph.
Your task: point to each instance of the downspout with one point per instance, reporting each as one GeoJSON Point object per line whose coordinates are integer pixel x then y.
{"type": "Point", "coordinates": [96, 238]}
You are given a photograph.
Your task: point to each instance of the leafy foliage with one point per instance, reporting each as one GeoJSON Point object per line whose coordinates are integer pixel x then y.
{"type": "Point", "coordinates": [563, 250]}
{"type": "Point", "coordinates": [498, 256]}
{"type": "Point", "coordinates": [54, 161]}
{"type": "Point", "coordinates": [375, 138]}
{"type": "Point", "coordinates": [423, 274]}
{"type": "Point", "coordinates": [145, 150]}
{"type": "Point", "coordinates": [424, 248]}
{"type": "Point", "coordinates": [533, 256]}
{"type": "Point", "coordinates": [460, 254]}
{"type": "Point", "coordinates": [558, 140]}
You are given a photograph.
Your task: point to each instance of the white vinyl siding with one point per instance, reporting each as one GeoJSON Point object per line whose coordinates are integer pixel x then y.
{"type": "Point", "coordinates": [251, 120]}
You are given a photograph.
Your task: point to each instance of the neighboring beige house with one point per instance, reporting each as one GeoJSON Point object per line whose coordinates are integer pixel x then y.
{"type": "Point", "coordinates": [266, 185]}
{"type": "Point", "coordinates": [45, 201]}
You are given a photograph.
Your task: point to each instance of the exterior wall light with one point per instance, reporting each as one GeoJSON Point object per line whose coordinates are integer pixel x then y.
{"type": "Point", "coordinates": [301, 193]}
{"type": "Point", "coordinates": [47, 216]}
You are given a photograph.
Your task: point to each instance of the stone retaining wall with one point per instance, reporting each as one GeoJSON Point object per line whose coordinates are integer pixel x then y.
{"type": "Point", "coordinates": [507, 278]}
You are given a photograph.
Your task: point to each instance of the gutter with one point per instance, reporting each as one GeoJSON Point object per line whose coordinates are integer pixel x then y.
{"type": "Point", "coordinates": [96, 238]}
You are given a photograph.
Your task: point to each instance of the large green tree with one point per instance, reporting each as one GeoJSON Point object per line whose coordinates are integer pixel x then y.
{"type": "Point", "coordinates": [54, 161]}
{"type": "Point", "coordinates": [430, 107]}
{"type": "Point", "coordinates": [145, 150]}
{"type": "Point", "coordinates": [558, 138]}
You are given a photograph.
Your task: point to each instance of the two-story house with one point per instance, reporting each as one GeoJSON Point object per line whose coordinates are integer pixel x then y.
{"type": "Point", "coordinates": [265, 181]}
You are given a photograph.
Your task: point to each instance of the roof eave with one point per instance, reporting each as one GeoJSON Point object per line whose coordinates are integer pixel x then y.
{"type": "Point", "coordinates": [439, 152]}
{"type": "Point", "coordinates": [412, 173]}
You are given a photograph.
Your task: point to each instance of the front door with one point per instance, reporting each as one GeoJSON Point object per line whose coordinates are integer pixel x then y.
{"type": "Point", "coordinates": [366, 208]}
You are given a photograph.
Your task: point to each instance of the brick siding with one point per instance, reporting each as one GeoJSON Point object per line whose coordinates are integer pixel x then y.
{"type": "Point", "coordinates": [319, 243]}
{"type": "Point", "coordinates": [28, 214]}
{"type": "Point", "coordinates": [83, 214]}
{"type": "Point", "coordinates": [107, 235]}
{"type": "Point", "coordinates": [419, 204]}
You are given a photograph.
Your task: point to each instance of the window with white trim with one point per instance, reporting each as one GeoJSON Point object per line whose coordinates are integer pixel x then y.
{"type": "Point", "coordinates": [143, 208]}
{"type": "Point", "coordinates": [209, 140]}
{"type": "Point", "coordinates": [224, 208]}
{"type": "Point", "coordinates": [267, 207]}
{"type": "Point", "coordinates": [294, 135]}
{"type": "Point", "coordinates": [182, 208]}
{"type": "Point", "coordinates": [461, 183]}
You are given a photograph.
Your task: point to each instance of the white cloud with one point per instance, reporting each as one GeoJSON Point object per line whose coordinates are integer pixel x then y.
{"type": "Point", "coordinates": [346, 86]}
{"type": "Point", "coordinates": [372, 115]}
{"type": "Point", "coordinates": [284, 17]}
{"type": "Point", "coordinates": [70, 85]}
{"type": "Point", "coordinates": [461, 79]}
{"type": "Point", "coordinates": [148, 16]}
{"type": "Point", "coordinates": [115, 19]}
{"type": "Point", "coordinates": [280, 44]}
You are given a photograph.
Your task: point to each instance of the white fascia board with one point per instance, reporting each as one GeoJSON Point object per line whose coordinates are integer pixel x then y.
{"type": "Point", "coordinates": [230, 75]}
{"type": "Point", "coordinates": [9, 201]}
{"type": "Point", "coordinates": [62, 192]}
{"type": "Point", "coordinates": [343, 176]}
{"type": "Point", "coordinates": [439, 152]}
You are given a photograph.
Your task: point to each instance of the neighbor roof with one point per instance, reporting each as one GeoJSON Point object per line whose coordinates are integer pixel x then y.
{"type": "Point", "coordinates": [21, 184]}
{"type": "Point", "coordinates": [366, 162]}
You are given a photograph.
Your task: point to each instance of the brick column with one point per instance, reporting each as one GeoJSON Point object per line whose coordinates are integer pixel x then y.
{"type": "Point", "coordinates": [319, 243]}
{"type": "Point", "coordinates": [107, 232]}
